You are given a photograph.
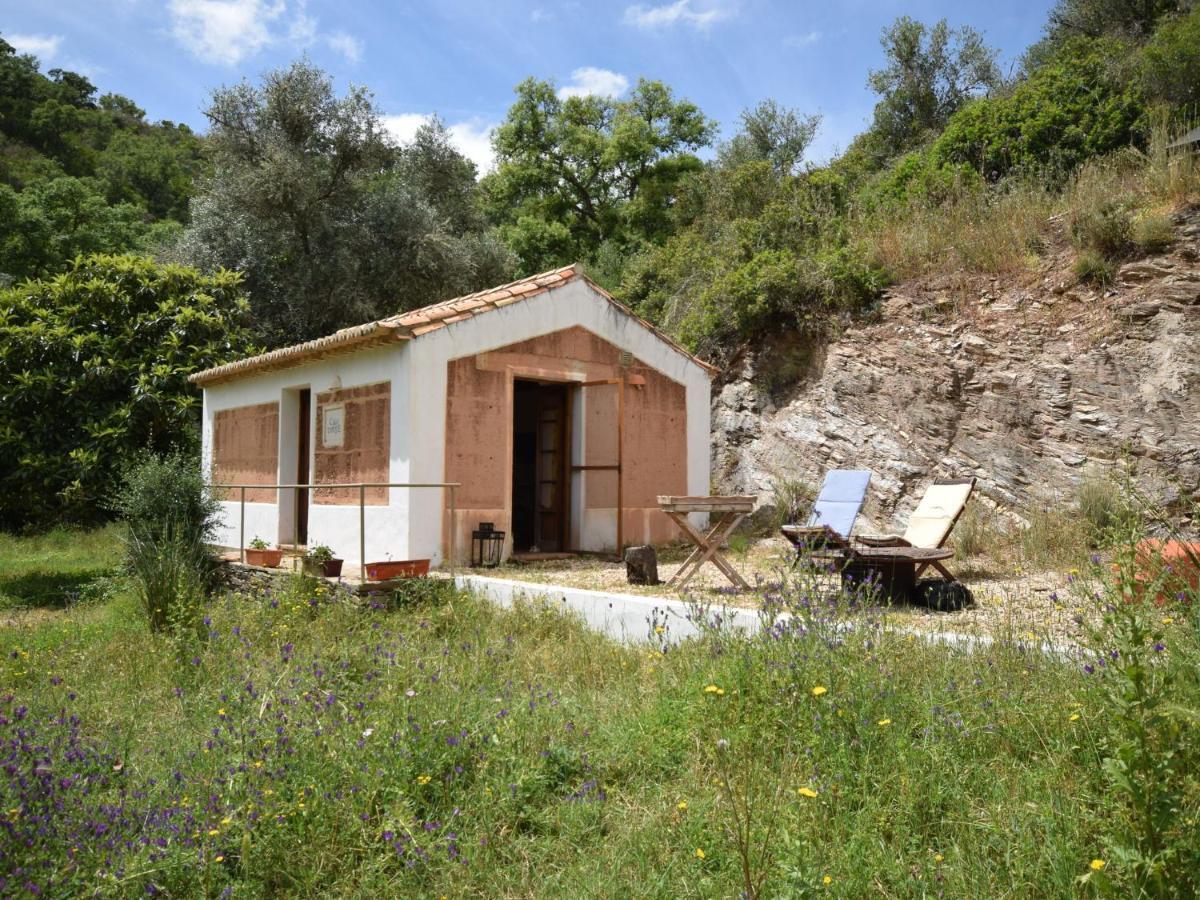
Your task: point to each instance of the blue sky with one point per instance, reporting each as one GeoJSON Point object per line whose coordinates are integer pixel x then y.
{"type": "Point", "coordinates": [461, 58]}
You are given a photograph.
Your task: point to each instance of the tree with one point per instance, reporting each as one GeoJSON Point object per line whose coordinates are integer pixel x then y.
{"type": "Point", "coordinates": [432, 166]}
{"type": "Point", "coordinates": [79, 175]}
{"type": "Point", "coordinates": [1082, 102]}
{"type": "Point", "coordinates": [93, 368]}
{"type": "Point", "coordinates": [605, 169]}
{"type": "Point", "coordinates": [48, 224]}
{"type": "Point", "coordinates": [328, 219]}
{"type": "Point", "coordinates": [773, 133]}
{"type": "Point", "coordinates": [1172, 61]}
{"type": "Point", "coordinates": [930, 73]}
{"type": "Point", "coordinates": [1074, 19]}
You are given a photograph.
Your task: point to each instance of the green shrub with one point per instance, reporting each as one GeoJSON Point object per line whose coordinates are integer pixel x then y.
{"type": "Point", "coordinates": [792, 500]}
{"type": "Point", "coordinates": [1081, 103]}
{"type": "Point", "coordinates": [171, 518]}
{"type": "Point", "coordinates": [1153, 232]}
{"type": "Point", "coordinates": [1106, 228]}
{"type": "Point", "coordinates": [1099, 209]}
{"type": "Point", "coordinates": [1171, 61]}
{"type": "Point", "coordinates": [1146, 675]}
{"type": "Point", "coordinates": [417, 592]}
{"type": "Point", "coordinates": [94, 367]}
{"type": "Point", "coordinates": [1092, 268]}
{"type": "Point", "coordinates": [1103, 506]}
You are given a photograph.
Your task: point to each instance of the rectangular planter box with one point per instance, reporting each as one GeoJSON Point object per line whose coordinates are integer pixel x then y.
{"type": "Point", "coordinates": [268, 559]}
{"type": "Point", "coordinates": [404, 568]}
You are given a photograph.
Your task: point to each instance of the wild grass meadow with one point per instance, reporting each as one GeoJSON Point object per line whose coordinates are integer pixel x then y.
{"type": "Point", "coordinates": [429, 744]}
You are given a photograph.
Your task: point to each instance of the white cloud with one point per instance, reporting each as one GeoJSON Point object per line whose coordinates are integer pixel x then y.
{"type": "Point", "coordinates": [471, 137]}
{"type": "Point", "coordinates": [43, 46]}
{"type": "Point", "coordinates": [349, 46]}
{"type": "Point", "coordinates": [303, 29]}
{"type": "Point", "coordinates": [802, 40]}
{"type": "Point", "coordinates": [403, 127]}
{"type": "Point", "coordinates": [539, 15]}
{"type": "Point", "coordinates": [474, 140]}
{"type": "Point", "coordinates": [590, 81]}
{"type": "Point", "coordinates": [681, 12]}
{"type": "Point", "coordinates": [224, 31]}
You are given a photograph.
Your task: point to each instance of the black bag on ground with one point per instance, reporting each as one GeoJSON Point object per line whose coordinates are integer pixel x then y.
{"type": "Point", "coordinates": [941, 595]}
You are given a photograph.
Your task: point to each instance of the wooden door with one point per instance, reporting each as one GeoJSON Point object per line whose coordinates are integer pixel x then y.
{"type": "Point", "coordinates": [550, 521]}
{"type": "Point", "coordinates": [304, 451]}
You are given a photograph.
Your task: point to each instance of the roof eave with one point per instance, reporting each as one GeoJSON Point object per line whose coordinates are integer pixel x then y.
{"type": "Point", "coordinates": [348, 340]}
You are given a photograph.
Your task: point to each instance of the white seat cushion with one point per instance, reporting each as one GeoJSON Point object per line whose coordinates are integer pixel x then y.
{"type": "Point", "coordinates": [931, 521]}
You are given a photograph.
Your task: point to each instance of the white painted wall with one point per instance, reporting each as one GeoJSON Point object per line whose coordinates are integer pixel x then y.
{"type": "Point", "coordinates": [387, 532]}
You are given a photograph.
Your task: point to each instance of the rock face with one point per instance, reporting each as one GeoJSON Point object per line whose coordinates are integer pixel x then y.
{"type": "Point", "coordinates": [1026, 382]}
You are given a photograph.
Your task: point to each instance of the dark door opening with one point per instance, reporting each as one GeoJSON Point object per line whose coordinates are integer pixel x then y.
{"type": "Point", "coordinates": [539, 496]}
{"type": "Point", "coordinates": [302, 471]}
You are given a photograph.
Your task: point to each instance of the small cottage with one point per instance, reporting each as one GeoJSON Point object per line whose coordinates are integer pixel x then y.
{"type": "Point", "coordinates": [559, 413]}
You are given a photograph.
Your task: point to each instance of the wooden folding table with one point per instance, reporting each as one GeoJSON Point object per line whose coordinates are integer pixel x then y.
{"type": "Point", "coordinates": [725, 514]}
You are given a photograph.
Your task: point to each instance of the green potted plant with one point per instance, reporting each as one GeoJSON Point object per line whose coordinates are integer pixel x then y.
{"type": "Point", "coordinates": [321, 559]}
{"type": "Point", "coordinates": [260, 553]}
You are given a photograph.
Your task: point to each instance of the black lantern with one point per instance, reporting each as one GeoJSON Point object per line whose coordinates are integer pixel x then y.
{"type": "Point", "coordinates": [487, 546]}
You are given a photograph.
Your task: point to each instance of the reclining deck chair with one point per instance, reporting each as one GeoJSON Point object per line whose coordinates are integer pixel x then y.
{"type": "Point", "coordinates": [932, 521]}
{"type": "Point", "coordinates": [834, 512]}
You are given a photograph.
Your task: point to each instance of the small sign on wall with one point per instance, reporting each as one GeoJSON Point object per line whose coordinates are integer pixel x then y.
{"type": "Point", "coordinates": [333, 425]}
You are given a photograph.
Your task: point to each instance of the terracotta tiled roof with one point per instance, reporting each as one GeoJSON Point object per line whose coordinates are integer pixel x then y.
{"type": "Point", "coordinates": [414, 323]}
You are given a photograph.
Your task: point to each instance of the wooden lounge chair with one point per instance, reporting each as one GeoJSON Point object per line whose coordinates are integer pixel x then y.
{"type": "Point", "coordinates": [931, 522]}
{"type": "Point", "coordinates": [834, 512]}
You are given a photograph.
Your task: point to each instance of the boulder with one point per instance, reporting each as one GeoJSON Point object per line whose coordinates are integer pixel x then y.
{"type": "Point", "coordinates": [641, 565]}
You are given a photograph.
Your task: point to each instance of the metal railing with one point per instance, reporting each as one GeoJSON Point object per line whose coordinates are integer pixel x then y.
{"type": "Point", "coordinates": [362, 486]}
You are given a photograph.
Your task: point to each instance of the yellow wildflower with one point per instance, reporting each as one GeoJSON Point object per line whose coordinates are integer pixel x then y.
{"type": "Point", "coordinates": [1098, 864]}
{"type": "Point", "coordinates": [819, 690]}
{"type": "Point", "coordinates": [883, 723]}
{"type": "Point", "coordinates": [699, 853]}
{"type": "Point", "coordinates": [219, 859]}
{"type": "Point", "coordinates": [826, 881]}
{"type": "Point", "coordinates": [937, 857]}
{"type": "Point", "coordinates": [713, 689]}
{"type": "Point", "coordinates": [681, 806]}
{"type": "Point", "coordinates": [221, 712]}
{"type": "Point", "coordinates": [806, 792]}
{"type": "Point", "coordinates": [424, 779]}
{"type": "Point", "coordinates": [213, 832]}
{"type": "Point", "coordinates": [1074, 717]}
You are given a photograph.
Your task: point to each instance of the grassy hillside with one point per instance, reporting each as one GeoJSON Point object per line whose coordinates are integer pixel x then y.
{"type": "Point", "coordinates": [436, 746]}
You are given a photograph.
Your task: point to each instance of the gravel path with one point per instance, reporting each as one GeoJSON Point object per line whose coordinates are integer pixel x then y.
{"type": "Point", "coordinates": [1017, 605]}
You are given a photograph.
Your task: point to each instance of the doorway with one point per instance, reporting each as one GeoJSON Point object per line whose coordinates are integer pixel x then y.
{"type": "Point", "coordinates": [540, 514]}
{"type": "Point", "coordinates": [304, 452]}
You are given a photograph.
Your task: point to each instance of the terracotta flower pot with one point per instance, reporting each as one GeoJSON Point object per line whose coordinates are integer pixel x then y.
{"type": "Point", "coordinates": [268, 559]}
{"type": "Point", "coordinates": [331, 568]}
{"type": "Point", "coordinates": [1173, 565]}
{"type": "Point", "coordinates": [404, 568]}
